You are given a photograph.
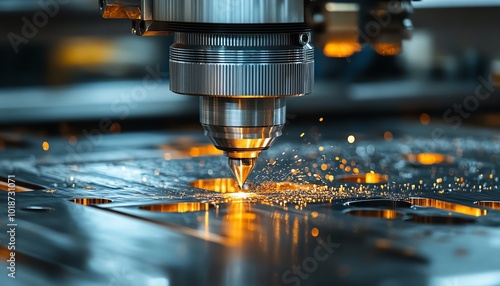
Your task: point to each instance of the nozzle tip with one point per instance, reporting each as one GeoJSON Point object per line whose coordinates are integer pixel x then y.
{"type": "Point", "coordinates": [241, 168]}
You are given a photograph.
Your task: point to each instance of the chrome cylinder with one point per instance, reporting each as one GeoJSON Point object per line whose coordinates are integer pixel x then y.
{"type": "Point", "coordinates": [242, 127]}
{"type": "Point", "coordinates": [242, 64]}
{"type": "Point", "coordinates": [229, 11]}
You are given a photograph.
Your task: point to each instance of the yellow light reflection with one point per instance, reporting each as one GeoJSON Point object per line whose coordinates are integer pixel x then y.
{"type": "Point", "coordinates": [368, 178]}
{"type": "Point", "coordinates": [219, 185]}
{"type": "Point", "coordinates": [186, 148]}
{"type": "Point", "coordinates": [387, 49]}
{"type": "Point", "coordinates": [425, 202]}
{"type": "Point", "coordinates": [240, 223]}
{"type": "Point", "coordinates": [45, 146]}
{"type": "Point", "coordinates": [295, 231]}
{"type": "Point", "coordinates": [314, 232]}
{"type": "Point", "coordinates": [429, 158]}
{"type": "Point", "coordinates": [351, 139]}
{"type": "Point", "coordinates": [4, 186]}
{"type": "Point", "coordinates": [375, 213]}
{"type": "Point", "coordinates": [337, 49]}
{"type": "Point", "coordinates": [286, 186]}
{"type": "Point", "coordinates": [206, 150]}
{"type": "Point", "coordinates": [182, 207]}
{"type": "Point", "coordinates": [240, 195]}
{"type": "Point", "coordinates": [91, 201]}
{"type": "Point", "coordinates": [489, 204]}
{"type": "Point", "coordinates": [85, 52]}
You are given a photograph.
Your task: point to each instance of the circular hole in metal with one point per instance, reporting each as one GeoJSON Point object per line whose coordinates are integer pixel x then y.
{"type": "Point", "coordinates": [489, 204]}
{"type": "Point", "coordinates": [374, 213]}
{"type": "Point", "coordinates": [38, 209]}
{"type": "Point", "coordinates": [368, 178]}
{"type": "Point", "coordinates": [378, 203]}
{"type": "Point", "coordinates": [427, 159]}
{"type": "Point", "coordinates": [447, 206]}
{"type": "Point", "coordinates": [450, 220]}
{"type": "Point", "coordinates": [91, 201]}
{"type": "Point", "coordinates": [184, 207]}
{"type": "Point", "coordinates": [219, 185]}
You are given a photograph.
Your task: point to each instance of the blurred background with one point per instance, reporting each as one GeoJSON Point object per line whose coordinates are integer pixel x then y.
{"type": "Point", "coordinates": [68, 65]}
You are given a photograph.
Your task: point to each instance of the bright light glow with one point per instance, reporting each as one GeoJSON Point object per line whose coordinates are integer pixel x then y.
{"type": "Point", "coordinates": [341, 7]}
{"type": "Point", "coordinates": [45, 146]}
{"type": "Point", "coordinates": [387, 49]}
{"type": "Point", "coordinates": [336, 49]}
{"type": "Point", "coordinates": [314, 232]}
{"type": "Point", "coordinates": [240, 195]}
{"type": "Point", "coordinates": [351, 139]}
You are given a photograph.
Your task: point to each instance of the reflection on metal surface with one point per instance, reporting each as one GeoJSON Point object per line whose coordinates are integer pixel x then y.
{"type": "Point", "coordinates": [286, 186]}
{"type": "Point", "coordinates": [489, 204]}
{"type": "Point", "coordinates": [425, 202]}
{"type": "Point", "coordinates": [378, 203]}
{"type": "Point", "coordinates": [389, 248]}
{"type": "Point", "coordinates": [240, 223]}
{"type": "Point", "coordinates": [375, 213]}
{"type": "Point", "coordinates": [40, 209]}
{"type": "Point", "coordinates": [441, 220]}
{"type": "Point", "coordinates": [368, 178]}
{"type": "Point", "coordinates": [189, 148]}
{"type": "Point", "coordinates": [14, 185]}
{"type": "Point", "coordinates": [239, 196]}
{"type": "Point", "coordinates": [428, 158]}
{"type": "Point", "coordinates": [91, 201]}
{"type": "Point", "coordinates": [219, 185]}
{"type": "Point", "coordinates": [183, 207]}
{"type": "Point", "coordinates": [205, 150]}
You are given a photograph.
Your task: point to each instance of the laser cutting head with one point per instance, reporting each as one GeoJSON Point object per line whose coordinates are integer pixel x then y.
{"type": "Point", "coordinates": [242, 57]}
{"type": "Point", "coordinates": [243, 73]}
{"type": "Point", "coordinates": [242, 127]}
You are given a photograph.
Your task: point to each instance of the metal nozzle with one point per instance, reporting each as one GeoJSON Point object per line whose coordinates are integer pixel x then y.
{"type": "Point", "coordinates": [242, 128]}
{"type": "Point", "coordinates": [241, 168]}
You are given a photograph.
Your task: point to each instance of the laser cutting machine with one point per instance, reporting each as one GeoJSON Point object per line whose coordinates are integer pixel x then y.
{"type": "Point", "coordinates": [244, 58]}
{"type": "Point", "coordinates": [386, 171]}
